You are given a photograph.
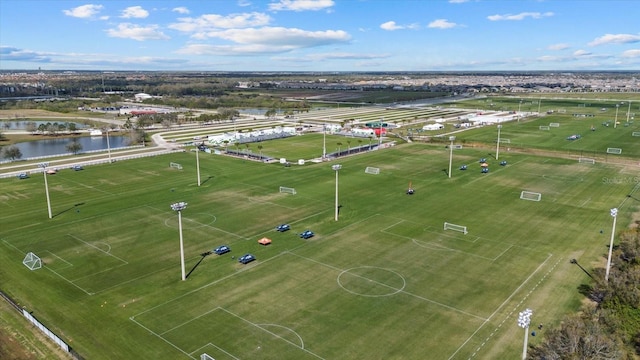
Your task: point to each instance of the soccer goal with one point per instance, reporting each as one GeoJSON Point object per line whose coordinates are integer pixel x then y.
{"type": "Point", "coordinates": [554, 124]}
{"type": "Point", "coordinates": [175, 166]}
{"type": "Point", "coordinates": [206, 356]}
{"type": "Point", "coordinates": [543, 127]}
{"type": "Point", "coordinates": [454, 227]}
{"type": "Point", "coordinates": [635, 133]}
{"type": "Point", "coordinates": [583, 160]}
{"type": "Point", "coordinates": [505, 141]}
{"type": "Point", "coordinates": [32, 261]}
{"type": "Point", "coordinates": [457, 147]}
{"type": "Point", "coordinates": [616, 151]}
{"type": "Point", "coordinates": [372, 170]}
{"type": "Point", "coordinates": [530, 195]}
{"type": "Point", "coordinates": [287, 190]}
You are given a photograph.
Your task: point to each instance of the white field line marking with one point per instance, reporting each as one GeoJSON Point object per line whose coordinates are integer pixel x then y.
{"type": "Point", "coordinates": [199, 350]}
{"type": "Point", "coordinates": [500, 306]}
{"type": "Point", "coordinates": [517, 307]}
{"type": "Point", "coordinates": [61, 259]}
{"type": "Point", "coordinates": [160, 337]}
{"type": "Point", "coordinates": [405, 292]}
{"type": "Point", "coordinates": [97, 248]}
{"type": "Point", "coordinates": [273, 334]}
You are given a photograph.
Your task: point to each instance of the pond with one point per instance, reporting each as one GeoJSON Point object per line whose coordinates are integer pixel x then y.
{"type": "Point", "coordinates": [50, 147]}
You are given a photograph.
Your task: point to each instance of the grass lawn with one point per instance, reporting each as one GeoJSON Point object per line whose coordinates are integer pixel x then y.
{"type": "Point", "coordinates": [384, 281]}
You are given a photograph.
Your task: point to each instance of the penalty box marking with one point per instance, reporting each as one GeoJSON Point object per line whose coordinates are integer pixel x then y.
{"type": "Point", "coordinates": [260, 327]}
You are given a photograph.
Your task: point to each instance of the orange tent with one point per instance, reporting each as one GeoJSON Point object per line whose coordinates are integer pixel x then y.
{"type": "Point", "coordinates": [264, 241]}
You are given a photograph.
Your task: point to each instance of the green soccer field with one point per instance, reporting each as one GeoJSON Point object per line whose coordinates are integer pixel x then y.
{"type": "Point", "coordinates": [384, 281]}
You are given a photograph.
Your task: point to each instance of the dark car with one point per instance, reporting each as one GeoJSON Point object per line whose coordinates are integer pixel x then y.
{"type": "Point", "coordinates": [246, 258]}
{"type": "Point", "coordinates": [283, 227]}
{"type": "Point", "coordinates": [306, 234]}
{"type": "Point", "coordinates": [222, 249]}
{"type": "Point", "coordinates": [77, 167]}
{"type": "Point", "coordinates": [22, 176]}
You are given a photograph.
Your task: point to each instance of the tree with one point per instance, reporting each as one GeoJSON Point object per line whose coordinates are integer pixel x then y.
{"type": "Point", "coordinates": [12, 153]}
{"type": "Point", "coordinates": [260, 149]}
{"type": "Point", "coordinates": [579, 337]}
{"type": "Point", "coordinates": [339, 145]}
{"type": "Point", "coordinates": [74, 146]}
{"type": "Point", "coordinates": [348, 146]}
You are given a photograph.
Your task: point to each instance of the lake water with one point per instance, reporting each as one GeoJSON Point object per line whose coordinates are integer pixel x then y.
{"type": "Point", "coordinates": [51, 147]}
{"type": "Point", "coordinates": [22, 124]}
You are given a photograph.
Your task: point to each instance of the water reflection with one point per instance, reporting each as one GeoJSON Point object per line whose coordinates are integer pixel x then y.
{"type": "Point", "coordinates": [48, 147]}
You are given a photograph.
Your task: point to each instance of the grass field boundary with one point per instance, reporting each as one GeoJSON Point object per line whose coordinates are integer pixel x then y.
{"type": "Point", "coordinates": [522, 284]}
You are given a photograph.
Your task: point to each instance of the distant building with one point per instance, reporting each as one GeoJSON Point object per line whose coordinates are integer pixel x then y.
{"type": "Point", "coordinates": [142, 96]}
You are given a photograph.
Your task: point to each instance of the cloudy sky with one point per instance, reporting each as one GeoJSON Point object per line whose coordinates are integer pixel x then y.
{"type": "Point", "coordinates": [320, 35]}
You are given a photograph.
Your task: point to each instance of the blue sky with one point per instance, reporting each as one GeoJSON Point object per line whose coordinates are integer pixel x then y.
{"type": "Point", "coordinates": [320, 35]}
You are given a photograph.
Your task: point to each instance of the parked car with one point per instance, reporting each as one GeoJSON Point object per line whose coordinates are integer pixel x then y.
{"type": "Point", "coordinates": [222, 249]}
{"type": "Point", "coordinates": [77, 167]}
{"type": "Point", "coordinates": [306, 234]}
{"type": "Point", "coordinates": [246, 258]}
{"type": "Point", "coordinates": [22, 176]}
{"type": "Point", "coordinates": [283, 227]}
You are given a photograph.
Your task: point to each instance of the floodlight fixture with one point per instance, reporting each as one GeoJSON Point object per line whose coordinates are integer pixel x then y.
{"type": "Point", "coordinates": [524, 320]}
{"type": "Point", "coordinates": [614, 215]}
{"type": "Point", "coordinates": [44, 165]}
{"type": "Point", "coordinates": [336, 167]}
{"type": "Point", "coordinates": [452, 139]}
{"type": "Point", "coordinates": [179, 207]}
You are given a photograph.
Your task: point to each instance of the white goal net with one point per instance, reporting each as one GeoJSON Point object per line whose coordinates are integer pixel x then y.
{"type": "Point", "coordinates": [584, 160]}
{"type": "Point", "coordinates": [372, 170]}
{"type": "Point", "coordinates": [454, 227]}
{"type": "Point", "coordinates": [530, 195]}
{"type": "Point", "coordinates": [206, 356]}
{"type": "Point", "coordinates": [543, 127]}
{"type": "Point", "coordinates": [32, 261]}
{"type": "Point", "coordinates": [635, 133]}
{"type": "Point", "coordinates": [287, 190]}
{"type": "Point", "coordinates": [554, 124]}
{"type": "Point", "coordinates": [616, 151]}
{"type": "Point", "coordinates": [175, 166]}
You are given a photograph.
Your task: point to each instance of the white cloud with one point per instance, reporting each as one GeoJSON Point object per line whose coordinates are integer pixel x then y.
{"type": "Point", "coordinates": [137, 32]}
{"type": "Point", "coordinates": [458, 1]}
{"type": "Point", "coordinates": [209, 22]}
{"type": "Point", "coordinates": [558, 47]}
{"type": "Point", "coordinates": [301, 5]}
{"type": "Point", "coordinates": [243, 3]}
{"type": "Point", "coordinates": [279, 36]}
{"type": "Point", "coordinates": [635, 53]}
{"type": "Point", "coordinates": [84, 11]}
{"type": "Point", "coordinates": [266, 40]}
{"type": "Point", "coordinates": [391, 26]}
{"type": "Point", "coordinates": [181, 10]}
{"type": "Point", "coordinates": [615, 39]}
{"type": "Point", "coordinates": [520, 16]}
{"type": "Point", "coordinates": [442, 24]}
{"type": "Point", "coordinates": [581, 53]}
{"type": "Point", "coordinates": [134, 12]}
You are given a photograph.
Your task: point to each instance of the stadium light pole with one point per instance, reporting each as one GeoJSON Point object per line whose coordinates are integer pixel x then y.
{"type": "Point", "coordinates": [519, 106]}
{"type": "Point", "coordinates": [324, 141]}
{"type": "Point", "coordinates": [628, 112]}
{"type": "Point", "coordinates": [108, 146]}
{"type": "Point", "coordinates": [498, 144]}
{"type": "Point", "coordinates": [198, 162]}
{"type": "Point", "coordinates": [380, 136]}
{"type": "Point", "coordinates": [179, 207]}
{"type": "Point", "coordinates": [615, 122]}
{"type": "Point", "coordinates": [524, 320]}
{"type": "Point", "coordinates": [336, 168]}
{"type": "Point", "coordinates": [452, 139]}
{"type": "Point", "coordinates": [614, 214]}
{"type": "Point", "coordinates": [46, 185]}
